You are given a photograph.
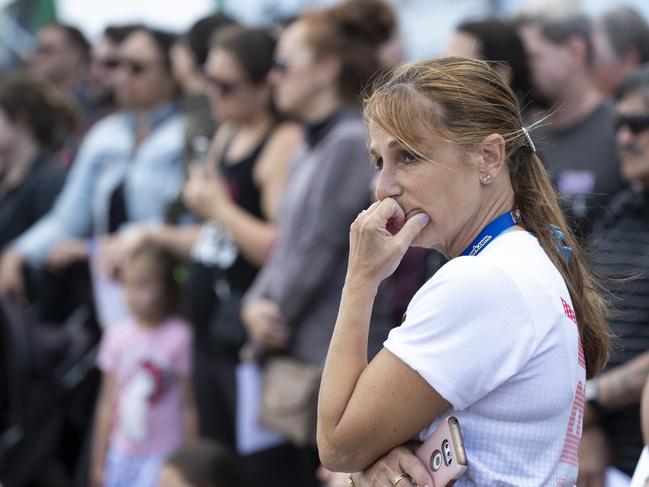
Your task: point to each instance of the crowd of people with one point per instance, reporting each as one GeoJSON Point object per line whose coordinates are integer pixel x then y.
{"type": "Point", "coordinates": [220, 180]}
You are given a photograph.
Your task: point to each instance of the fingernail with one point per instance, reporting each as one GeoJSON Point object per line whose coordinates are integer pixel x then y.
{"type": "Point", "coordinates": [424, 219]}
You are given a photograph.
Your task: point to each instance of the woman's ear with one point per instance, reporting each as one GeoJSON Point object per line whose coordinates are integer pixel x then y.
{"type": "Point", "coordinates": [492, 155]}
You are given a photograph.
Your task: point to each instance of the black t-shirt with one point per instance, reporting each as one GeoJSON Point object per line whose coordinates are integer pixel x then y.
{"type": "Point", "coordinates": [31, 199]}
{"type": "Point", "coordinates": [583, 164]}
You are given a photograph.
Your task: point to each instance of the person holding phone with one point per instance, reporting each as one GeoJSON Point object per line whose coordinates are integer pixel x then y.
{"type": "Point", "coordinates": [504, 335]}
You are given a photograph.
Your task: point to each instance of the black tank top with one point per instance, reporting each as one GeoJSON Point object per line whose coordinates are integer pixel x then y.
{"type": "Point", "coordinates": [244, 191]}
{"type": "Point", "coordinates": [201, 297]}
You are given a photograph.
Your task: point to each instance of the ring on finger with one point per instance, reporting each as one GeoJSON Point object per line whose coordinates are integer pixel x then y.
{"type": "Point", "coordinates": [398, 479]}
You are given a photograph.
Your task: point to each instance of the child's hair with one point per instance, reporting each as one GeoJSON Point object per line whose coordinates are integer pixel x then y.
{"type": "Point", "coordinates": [204, 463]}
{"type": "Point", "coordinates": [168, 267]}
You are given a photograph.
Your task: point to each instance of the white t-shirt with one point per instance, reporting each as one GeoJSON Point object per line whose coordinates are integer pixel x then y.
{"type": "Point", "coordinates": [496, 336]}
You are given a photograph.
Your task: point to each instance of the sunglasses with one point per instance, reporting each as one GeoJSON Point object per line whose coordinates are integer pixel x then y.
{"type": "Point", "coordinates": [635, 123]}
{"type": "Point", "coordinates": [283, 63]}
{"type": "Point", "coordinates": [225, 88]}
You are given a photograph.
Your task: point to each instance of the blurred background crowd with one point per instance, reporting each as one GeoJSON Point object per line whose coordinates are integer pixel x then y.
{"type": "Point", "coordinates": [176, 188]}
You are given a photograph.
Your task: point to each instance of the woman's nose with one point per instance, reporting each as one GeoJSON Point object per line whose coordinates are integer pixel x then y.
{"type": "Point", "coordinates": [386, 185]}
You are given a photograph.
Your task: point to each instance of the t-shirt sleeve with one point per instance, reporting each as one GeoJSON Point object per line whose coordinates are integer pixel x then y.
{"type": "Point", "coordinates": [183, 351]}
{"type": "Point", "coordinates": [107, 357]}
{"type": "Point", "coordinates": [466, 332]}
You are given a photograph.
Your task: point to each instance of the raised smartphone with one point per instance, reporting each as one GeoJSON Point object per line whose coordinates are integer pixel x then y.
{"type": "Point", "coordinates": [443, 453]}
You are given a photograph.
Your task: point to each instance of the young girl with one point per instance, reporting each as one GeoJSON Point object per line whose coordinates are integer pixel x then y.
{"type": "Point", "coordinates": [146, 407]}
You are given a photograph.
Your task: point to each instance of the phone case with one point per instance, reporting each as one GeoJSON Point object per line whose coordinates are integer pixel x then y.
{"type": "Point", "coordinates": [443, 453]}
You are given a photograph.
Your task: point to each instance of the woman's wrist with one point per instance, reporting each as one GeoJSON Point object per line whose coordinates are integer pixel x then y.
{"type": "Point", "coordinates": [222, 212]}
{"type": "Point", "coordinates": [361, 284]}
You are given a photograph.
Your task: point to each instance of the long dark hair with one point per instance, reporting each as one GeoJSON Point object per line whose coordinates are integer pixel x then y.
{"type": "Point", "coordinates": [252, 48]}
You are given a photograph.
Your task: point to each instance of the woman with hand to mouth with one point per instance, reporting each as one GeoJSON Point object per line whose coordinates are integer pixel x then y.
{"type": "Point", "coordinates": [503, 336]}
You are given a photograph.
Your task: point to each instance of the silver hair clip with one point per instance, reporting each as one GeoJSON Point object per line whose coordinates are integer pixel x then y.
{"type": "Point", "coordinates": [530, 144]}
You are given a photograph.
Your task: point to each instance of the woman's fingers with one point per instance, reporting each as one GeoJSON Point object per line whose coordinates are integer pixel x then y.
{"type": "Point", "coordinates": [414, 467]}
{"type": "Point", "coordinates": [412, 228]}
{"type": "Point", "coordinates": [388, 209]}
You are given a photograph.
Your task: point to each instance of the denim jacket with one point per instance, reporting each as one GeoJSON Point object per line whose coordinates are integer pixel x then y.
{"type": "Point", "coordinates": [152, 173]}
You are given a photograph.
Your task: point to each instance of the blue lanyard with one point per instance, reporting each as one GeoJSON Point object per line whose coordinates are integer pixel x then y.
{"type": "Point", "coordinates": [491, 231]}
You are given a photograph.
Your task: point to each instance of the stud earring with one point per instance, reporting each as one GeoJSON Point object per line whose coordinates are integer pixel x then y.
{"type": "Point", "coordinates": [486, 179]}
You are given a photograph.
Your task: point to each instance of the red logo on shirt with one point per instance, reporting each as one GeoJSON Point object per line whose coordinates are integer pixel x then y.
{"type": "Point", "coordinates": [570, 313]}
{"type": "Point", "coordinates": [570, 451]}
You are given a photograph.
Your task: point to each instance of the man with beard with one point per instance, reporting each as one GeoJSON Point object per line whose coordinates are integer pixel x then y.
{"type": "Point", "coordinates": [612, 434]}
{"type": "Point", "coordinates": [576, 142]}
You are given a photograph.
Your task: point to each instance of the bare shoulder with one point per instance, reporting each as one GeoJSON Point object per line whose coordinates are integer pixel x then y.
{"type": "Point", "coordinates": [280, 149]}
{"type": "Point", "coordinates": [287, 133]}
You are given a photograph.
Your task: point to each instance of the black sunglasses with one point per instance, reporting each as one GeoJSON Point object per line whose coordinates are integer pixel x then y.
{"type": "Point", "coordinates": [225, 88]}
{"type": "Point", "coordinates": [635, 123]}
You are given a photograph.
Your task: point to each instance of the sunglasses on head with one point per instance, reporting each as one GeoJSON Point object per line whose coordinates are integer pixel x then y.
{"type": "Point", "coordinates": [225, 88]}
{"type": "Point", "coordinates": [635, 123]}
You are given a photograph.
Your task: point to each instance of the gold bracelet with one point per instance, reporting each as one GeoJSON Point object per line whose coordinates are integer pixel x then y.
{"type": "Point", "coordinates": [350, 480]}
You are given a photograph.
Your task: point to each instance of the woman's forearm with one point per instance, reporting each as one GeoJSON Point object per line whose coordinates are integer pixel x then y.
{"type": "Point", "coordinates": [101, 436]}
{"type": "Point", "coordinates": [253, 236]}
{"type": "Point", "coordinates": [346, 358]}
{"type": "Point", "coordinates": [178, 240]}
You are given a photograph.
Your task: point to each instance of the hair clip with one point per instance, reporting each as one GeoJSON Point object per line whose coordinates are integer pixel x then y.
{"type": "Point", "coordinates": [528, 138]}
{"type": "Point", "coordinates": [566, 250]}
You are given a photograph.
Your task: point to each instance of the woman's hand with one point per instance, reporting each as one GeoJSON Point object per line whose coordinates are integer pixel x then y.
{"type": "Point", "coordinates": [12, 279]}
{"type": "Point", "coordinates": [332, 479]}
{"type": "Point", "coordinates": [206, 194]}
{"type": "Point", "coordinates": [379, 238]}
{"type": "Point", "coordinates": [400, 460]}
{"type": "Point", "coordinates": [265, 324]}
{"type": "Point", "coordinates": [115, 250]}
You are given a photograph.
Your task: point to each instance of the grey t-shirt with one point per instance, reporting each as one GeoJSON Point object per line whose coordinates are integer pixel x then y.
{"type": "Point", "coordinates": [583, 163]}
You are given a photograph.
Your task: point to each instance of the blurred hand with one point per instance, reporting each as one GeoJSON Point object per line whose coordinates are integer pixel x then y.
{"type": "Point", "coordinates": [594, 457]}
{"type": "Point", "coordinates": [116, 250]}
{"type": "Point", "coordinates": [265, 324]}
{"type": "Point", "coordinates": [12, 280]}
{"type": "Point", "coordinates": [66, 253]}
{"type": "Point", "coordinates": [332, 479]}
{"type": "Point", "coordinates": [205, 193]}
{"type": "Point", "coordinates": [398, 461]}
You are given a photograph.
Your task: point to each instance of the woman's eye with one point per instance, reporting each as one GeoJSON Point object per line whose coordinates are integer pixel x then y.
{"type": "Point", "coordinates": [409, 157]}
{"type": "Point", "coordinates": [378, 163]}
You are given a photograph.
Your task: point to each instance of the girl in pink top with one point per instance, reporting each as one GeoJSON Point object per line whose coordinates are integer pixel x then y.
{"type": "Point", "coordinates": [146, 406]}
